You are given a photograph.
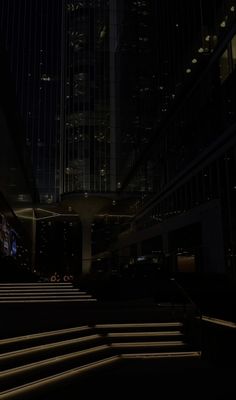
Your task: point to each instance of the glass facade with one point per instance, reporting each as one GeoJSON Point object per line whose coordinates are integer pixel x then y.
{"type": "Point", "coordinates": [86, 110]}
{"type": "Point", "coordinates": [31, 33]}
{"type": "Point", "coordinates": [188, 161]}
{"type": "Point", "coordinates": [62, 60]}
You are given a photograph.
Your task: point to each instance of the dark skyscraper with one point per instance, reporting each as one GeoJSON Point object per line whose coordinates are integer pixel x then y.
{"type": "Point", "coordinates": [127, 91]}
{"type": "Point", "coordinates": [31, 32]}
{"type": "Point", "coordinates": [63, 68]}
{"type": "Point", "coordinates": [87, 135]}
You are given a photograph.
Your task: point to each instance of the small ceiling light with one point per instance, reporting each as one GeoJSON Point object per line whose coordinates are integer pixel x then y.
{"type": "Point", "coordinates": [232, 8]}
{"type": "Point", "coordinates": [200, 50]}
{"type": "Point", "coordinates": [194, 61]}
{"type": "Point", "coordinates": [188, 70]}
{"type": "Point", "coordinates": [207, 38]}
{"type": "Point", "coordinates": [223, 24]}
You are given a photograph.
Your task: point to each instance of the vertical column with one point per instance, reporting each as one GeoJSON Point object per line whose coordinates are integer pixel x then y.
{"type": "Point", "coordinates": [62, 97]}
{"type": "Point", "coordinates": [86, 245]}
{"type": "Point", "coordinates": [213, 244]}
{"type": "Point", "coordinates": [113, 105]}
{"type": "Point", "coordinates": [34, 222]}
{"type": "Point", "coordinates": [169, 257]}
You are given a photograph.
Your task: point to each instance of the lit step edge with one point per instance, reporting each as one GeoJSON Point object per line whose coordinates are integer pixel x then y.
{"type": "Point", "coordinates": [47, 301]}
{"type": "Point", "coordinates": [143, 334]}
{"type": "Point", "coordinates": [149, 344]}
{"type": "Point", "coordinates": [36, 295]}
{"type": "Point", "coordinates": [20, 391]}
{"type": "Point", "coordinates": [44, 334]}
{"type": "Point", "coordinates": [38, 349]}
{"type": "Point", "coordinates": [36, 284]}
{"type": "Point", "coordinates": [53, 286]}
{"type": "Point", "coordinates": [9, 373]}
{"type": "Point", "coordinates": [40, 290]}
{"type": "Point", "coordinates": [177, 354]}
{"type": "Point", "coordinates": [140, 325]}
{"type": "Point", "coordinates": [217, 321]}
{"type": "Point", "coordinates": [33, 287]}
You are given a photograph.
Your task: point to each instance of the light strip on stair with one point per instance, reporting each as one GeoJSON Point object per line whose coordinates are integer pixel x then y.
{"type": "Point", "coordinates": [38, 290]}
{"type": "Point", "coordinates": [221, 322]}
{"type": "Point", "coordinates": [142, 325]}
{"type": "Point", "coordinates": [10, 373]}
{"type": "Point", "coordinates": [35, 283]}
{"type": "Point", "coordinates": [44, 334]}
{"type": "Point", "coordinates": [45, 293]}
{"type": "Point", "coordinates": [20, 391]}
{"type": "Point", "coordinates": [48, 346]}
{"type": "Point", "coordinates": [148, 344]}
{"type": "Point", "coordinates": [177, 354]}
{"type": "Point", "coordinates": [48, 301]}
{"type": "Point", "coordinates": [46, 296]}
{"type": "Point", "coordinates": [144, 334]}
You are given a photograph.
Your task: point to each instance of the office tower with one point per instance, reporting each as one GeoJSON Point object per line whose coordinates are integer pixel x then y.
{"type": "Point", "coordinates": [188, 165]}
{"type": "Point", "coordinates": [62, 61]}
{"type": "Point", "coordinates": [31, 32]}
{"type": "Point", "coordinates": [87, 135]}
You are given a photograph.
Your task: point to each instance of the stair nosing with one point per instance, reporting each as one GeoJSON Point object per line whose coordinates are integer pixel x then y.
{"type": "Point", "coordinates": [44, 334]}
{"type": "Point", "coordinates": [48, 346]}
{"type": "Point", "coordinates": [52, 379]}
{"type": "Point", "coordinates": [52, 360]}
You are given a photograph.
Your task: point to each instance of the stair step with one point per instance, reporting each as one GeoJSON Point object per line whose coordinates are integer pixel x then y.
{"type": "Point", "coordinates": [42, 337]}
{"type": "Point", "coordinates": [40, 352]}
{"type": "Point", "coordinates": [41, 369]}
{"type": "Point", "coordinates": [37, 290]}
{"type": "Point", "coordinates": [60, 300]}
{"type": "Point", "coordinates": [138, 327]}
{"type": "Point", "coordinates": [147, 346]}
{"type": "Point", "coordinates": [44, 296]}
{"type": "Point", "coordinates": [143, 335]}
{"type": "Point", "coordinates": [33, 285]}
{"type": "Point", "coordinates": [164, 355]}
{"type": "Point", "coordinates": [57, 380]}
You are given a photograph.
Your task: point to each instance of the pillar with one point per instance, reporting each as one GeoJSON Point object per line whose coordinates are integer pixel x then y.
{"type": "Point", "coordinates": [86, 245]}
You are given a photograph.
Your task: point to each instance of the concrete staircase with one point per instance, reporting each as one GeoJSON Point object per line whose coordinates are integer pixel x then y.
{"type": "Point", "coordinates": [33, 366]}
{"type": "Point", "coordinates": [16, 293]}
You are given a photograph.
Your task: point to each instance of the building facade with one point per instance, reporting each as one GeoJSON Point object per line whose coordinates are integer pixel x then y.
{"type": "Point", "coordinates": [62, 62]}
{"type": "Point", "coordinates": [31, 32]}
{"type": "Point", "coordinates": [87, 136]}
{"type": "Point", "coordinates": [186, 171]}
